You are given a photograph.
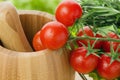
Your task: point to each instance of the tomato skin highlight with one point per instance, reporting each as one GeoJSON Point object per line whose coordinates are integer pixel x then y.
{"type": "Point", "coordinates": [106, 44]}
{"type": "Point", "coordinates": [67, 12]}
{"type": "Point", "coordinates": [107, 70]}
{"type": "Point", "coordinates": [82, 63]}
{"type": "Point", "coordinates": [54, 35]}
{"type": "Point", "coordinates": [88, 32]}
{"type": "Point", "coordinates": [37, 44]}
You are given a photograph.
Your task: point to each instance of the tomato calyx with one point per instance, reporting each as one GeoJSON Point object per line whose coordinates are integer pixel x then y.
{"type": "Point", "coordinates": [93, 51]}
{"type": "Point", "coordinates": [90, 49]}
{"type": "Point", "coordinates": [113, 54]}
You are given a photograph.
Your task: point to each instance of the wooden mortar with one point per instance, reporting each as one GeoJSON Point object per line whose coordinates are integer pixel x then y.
{"type": "Point", "coordinates": [42, 65]}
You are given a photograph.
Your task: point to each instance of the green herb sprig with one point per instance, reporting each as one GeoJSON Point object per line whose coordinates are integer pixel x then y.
{"type": "Point", "coordinates": [101, 12]}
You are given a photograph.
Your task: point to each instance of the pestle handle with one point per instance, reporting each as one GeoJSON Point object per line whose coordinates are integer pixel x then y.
{"type": "Point", "coordinates": [11, 32]}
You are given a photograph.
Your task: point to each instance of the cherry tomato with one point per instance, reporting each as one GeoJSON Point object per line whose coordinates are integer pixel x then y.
{"type": "Point", "coordinates": [107, 70]}
{"type": "Point", "coordinates": [106, 44]}
{"type": "Point", "coordinates": [68, 11]}
{"type": "Point", "coordinates": [37, 44]}
{"type": "Point", "coordinates": [82, 63]}
{"type": "Point", "coordinates": [54, 35]}
{"type": "Point", "coordinates": [98, 44]}
{"type": "Point", "coordinates": [86, 30]}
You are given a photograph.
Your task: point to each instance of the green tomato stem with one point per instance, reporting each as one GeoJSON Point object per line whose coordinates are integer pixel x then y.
{"type": "Point", "coordinates": [94, 38]}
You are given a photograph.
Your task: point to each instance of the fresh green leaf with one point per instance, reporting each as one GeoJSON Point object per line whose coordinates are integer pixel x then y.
{"type": "Point", "coordinates": [43, 5]}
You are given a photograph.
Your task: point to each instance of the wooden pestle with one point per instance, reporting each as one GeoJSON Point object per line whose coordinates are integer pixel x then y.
{"type": "Point", "coordinates": [11, 33]}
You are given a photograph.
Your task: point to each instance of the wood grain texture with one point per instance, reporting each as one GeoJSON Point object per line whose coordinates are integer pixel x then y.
{"type": "Point", "coordinates": [42, 65]}
{"type": "Point", "coordinates": [11, 32]}
{"type": "Point", "coordinates": [32, 21]}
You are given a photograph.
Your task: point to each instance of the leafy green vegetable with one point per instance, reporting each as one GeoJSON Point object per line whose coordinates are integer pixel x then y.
{"type": "Point", "coordinates": [101, 12]}
{"type": "Point", "coordinates": [43, 5]}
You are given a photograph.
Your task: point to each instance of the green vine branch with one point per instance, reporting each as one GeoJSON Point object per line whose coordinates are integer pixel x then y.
{"type": "Point", "coordinates": [94, 38]}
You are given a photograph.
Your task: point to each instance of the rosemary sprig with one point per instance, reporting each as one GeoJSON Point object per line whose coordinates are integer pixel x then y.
{"type": "Point", "coordinates": [101, 12]}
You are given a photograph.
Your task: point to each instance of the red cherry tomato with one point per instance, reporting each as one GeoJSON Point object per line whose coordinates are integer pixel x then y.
{"type": "Point", "coordinates": [88, 32]}
{"type": "Point", "coordinates": [68, 11]}
{"type": "Point", "coordinates": [106, 44]}
{"type": "Point", "coordinates": [82, 63]}
{"type": "Point", "coordinates": [37, 44]}
{"type": "Point", "coordinates": [98, 44]}
{"type": "Point", "coordinates": [54, 35]}
{"type": "Point", "coordinates": [107, 70]}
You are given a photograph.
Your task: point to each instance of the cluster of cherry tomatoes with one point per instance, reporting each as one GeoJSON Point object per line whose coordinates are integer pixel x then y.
{"type": "Point", "coordinates": [85, 58]}
{"type": "Point", "coordinates": [54, 35]}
